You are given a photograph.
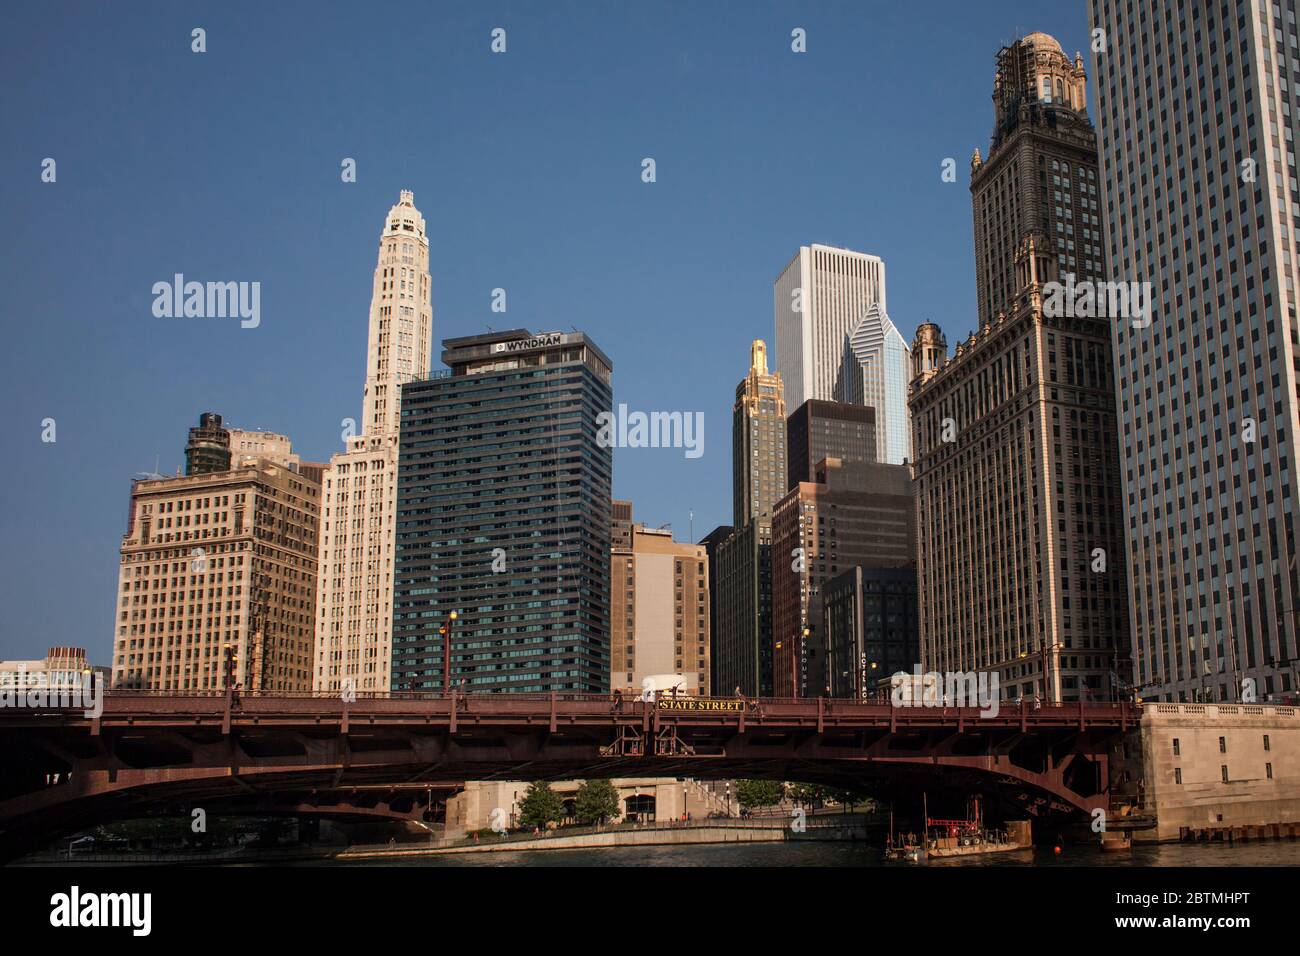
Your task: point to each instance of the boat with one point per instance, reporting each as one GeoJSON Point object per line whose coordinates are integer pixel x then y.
{"type": "Point", "coordinates": [970, 837]}
{"type": "Point", "coordinates": [903, 849]}
{"type": "Point", "coordinates": [956, 838]}
{"type": "Point", "coordinates": [908, 854]}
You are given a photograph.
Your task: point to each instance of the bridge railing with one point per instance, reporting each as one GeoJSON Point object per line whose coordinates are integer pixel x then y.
{"type": "Point", "coordinates": [390, 704]}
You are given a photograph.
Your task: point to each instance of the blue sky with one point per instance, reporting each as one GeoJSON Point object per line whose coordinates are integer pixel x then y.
{"type": "Point", "coordinates": [527, 166]}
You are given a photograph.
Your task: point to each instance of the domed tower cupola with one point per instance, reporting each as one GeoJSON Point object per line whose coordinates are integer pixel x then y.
{"type": "Point", "coordinates": [1035, 75]}
{"type": "Point", "coordinates": [929, 351]}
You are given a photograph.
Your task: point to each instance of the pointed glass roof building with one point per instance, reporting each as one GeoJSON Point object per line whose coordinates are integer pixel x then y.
{"type": "Point", "coordinates": [877, 366]}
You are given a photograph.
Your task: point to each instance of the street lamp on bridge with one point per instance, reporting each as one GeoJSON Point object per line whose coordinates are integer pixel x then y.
{"type": "Point", "coordinates": [445, 631]}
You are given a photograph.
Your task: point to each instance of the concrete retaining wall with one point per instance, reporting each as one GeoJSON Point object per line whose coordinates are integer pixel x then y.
{"type": "Point", "coordinates": [650, 836]}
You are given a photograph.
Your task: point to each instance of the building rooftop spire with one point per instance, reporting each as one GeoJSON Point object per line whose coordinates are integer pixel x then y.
{"type": "Point", "coordinates": [758, 356]}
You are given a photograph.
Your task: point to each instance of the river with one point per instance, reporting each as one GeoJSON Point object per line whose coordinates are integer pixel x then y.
{"type": "Point", "coordinates": [1285, 853]}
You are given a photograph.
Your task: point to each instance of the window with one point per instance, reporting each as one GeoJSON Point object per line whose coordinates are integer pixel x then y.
{"type": "Point", "coordinates": [1224, 769]}
{"type": "Point", "coordinates": [1178, 776]}
{"type": "Point", "coordinates": [1177, 751]}
{"type": "Point", "coordinates": [1223, 746]}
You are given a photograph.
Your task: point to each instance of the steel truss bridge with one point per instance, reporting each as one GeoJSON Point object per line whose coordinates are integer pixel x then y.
{"type": "Point", "coordinates": [61, 770]}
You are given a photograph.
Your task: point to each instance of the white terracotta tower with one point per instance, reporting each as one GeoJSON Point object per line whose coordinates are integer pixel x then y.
{"type": "Point", "coordinates": [354, 594]}
{"type": "Point", "coordinates": [401, 319]}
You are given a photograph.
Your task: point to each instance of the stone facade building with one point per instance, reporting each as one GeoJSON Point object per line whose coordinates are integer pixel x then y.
{"type": "Point", "coordinates": [1198, 117]}
{"type": "Point", "coordinates": [354, 625]}
{"type": "Point", "coordinates": [659, 612]}
{"type": "Point", "coordinates": [214, 565]}
{"type": "Point", "coordinates": [1020, 545]}
{"type": "Point", "coordinates": [759, 467]}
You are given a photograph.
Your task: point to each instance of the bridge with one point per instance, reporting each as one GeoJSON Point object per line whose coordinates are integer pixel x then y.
{"type": "Point", "coordinates": [385, 754]}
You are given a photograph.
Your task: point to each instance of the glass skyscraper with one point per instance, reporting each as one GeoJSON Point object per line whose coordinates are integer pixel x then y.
{"type": "Point", "coordinates": [877, 366]}
{"type": "Point", "coordinates": [503, 516]}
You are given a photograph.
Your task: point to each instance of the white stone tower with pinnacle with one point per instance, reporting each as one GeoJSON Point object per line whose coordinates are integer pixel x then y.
{"type": "Point", "coordinates": [354, 593]}
{"type": "Point", "coordinates": [401, 319]}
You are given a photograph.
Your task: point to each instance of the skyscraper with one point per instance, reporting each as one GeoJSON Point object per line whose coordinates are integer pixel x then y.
{"type": "Point", "coordinates": [870, 626]}
{"type": "Point", "coordinates": [853, 514]}
{"type": "Point", "coordinates": [1043, 145]}
{"type": "Point", "coordinates": [712, 543]}
{"type": "Point", "coordinates": [819, 298]}
{"type": "Point", "coordinates": [877, 368]}
{"type": "Point", "coordinates": [742, 637]}
{"type": "Point", "coordinates": [504, 517]}
{"type": "Point", "coordinates": [1198, 114]}
{"type": "Point", "coordinates": [742, 644]}
{"type": "Point", "coordinates": [358, 513]}
{"type": "Point", "coordinates": [1020, 546]}
{"type": "Point", "coordinates": [758, 468]}
{"type": "Point", "coordinates": [817, 430]}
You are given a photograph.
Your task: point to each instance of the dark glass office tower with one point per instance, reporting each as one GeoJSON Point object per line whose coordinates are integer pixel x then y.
{"type": "Point", "coordinates": [503, 516]}
{"type": "Point", "coordinates": [870, 625]}
{"type": "Point", "coordinates": [817, 430]}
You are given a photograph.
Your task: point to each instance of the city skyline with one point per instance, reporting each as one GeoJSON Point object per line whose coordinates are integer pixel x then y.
{"type": "Point", "coordinates": [124, 382]}
{"type": "Point", "coordinates": [627, 521]}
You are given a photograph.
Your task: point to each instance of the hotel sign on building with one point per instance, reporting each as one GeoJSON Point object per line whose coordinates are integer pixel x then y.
{"type": "Point", "coordinates": [545, 340]}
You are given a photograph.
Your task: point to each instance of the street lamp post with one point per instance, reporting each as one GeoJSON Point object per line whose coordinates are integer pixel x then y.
{"type": "Point", "coordinates": [228, 667]}
{"type": "Point", "coordinates": [445, 631]}
{"type": "Point", "coordinates": [230, 675]}
{"type": "Point", "coordinates": [1045, 666]}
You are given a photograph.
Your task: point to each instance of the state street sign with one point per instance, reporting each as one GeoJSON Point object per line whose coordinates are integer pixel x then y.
{"type": "Point", "coordinates": [700, 705]}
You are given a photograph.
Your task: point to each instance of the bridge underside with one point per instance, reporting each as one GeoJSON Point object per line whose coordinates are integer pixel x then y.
{"type": "Point", "coordinates": [63, 779]}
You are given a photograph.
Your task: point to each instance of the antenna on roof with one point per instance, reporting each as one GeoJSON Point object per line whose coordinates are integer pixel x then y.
{"type": "Point", "coordinates": [154, 475]}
